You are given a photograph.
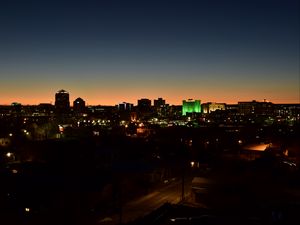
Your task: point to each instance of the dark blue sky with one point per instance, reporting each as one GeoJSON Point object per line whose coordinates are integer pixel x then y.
{"type": "Point", "coordinates": [110, 51]}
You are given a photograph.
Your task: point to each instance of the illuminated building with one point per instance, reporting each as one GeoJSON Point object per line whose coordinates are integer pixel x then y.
{"type": "Point", "coordinates": [79, 105]}
{"type": "Point", "coordinates": [212, 106]}
{"type": "Point", "coordinates": [287, 110]}
{"type": "Point", "coordinates": [191, 106]}
{"type": "Point", "coordinates": [62, 102]}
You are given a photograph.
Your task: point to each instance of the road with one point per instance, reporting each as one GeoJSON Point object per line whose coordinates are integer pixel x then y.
{"type": "Point", "coordinates": [142, 206]}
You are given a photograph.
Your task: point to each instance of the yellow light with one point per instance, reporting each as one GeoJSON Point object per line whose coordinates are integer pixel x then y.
{"type": "Point", "coordinates": [9, 154]}
{"type": "Point", "coordinates": [27, 209]}
{"type": "Point", "coordinates": [192, 164]}
{"type": "Point", "coordinates": [61, 128]}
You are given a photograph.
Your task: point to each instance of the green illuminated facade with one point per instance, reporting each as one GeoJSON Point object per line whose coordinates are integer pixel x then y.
{"type": "Point", "coordinates": [190, 106]}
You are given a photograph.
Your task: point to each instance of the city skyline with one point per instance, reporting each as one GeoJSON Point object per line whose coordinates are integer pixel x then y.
{"type": "Point", "coordinates": [135, 101]}
{"type": "Point", "coordinates": [108, 52]}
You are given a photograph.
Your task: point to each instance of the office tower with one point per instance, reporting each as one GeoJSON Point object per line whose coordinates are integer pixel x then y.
{"type": "Point", "coordinates": [79, 105]}
{"type": "Point", "coordinates": [144, 105]}
{"type": "Point", "coordinates": [62, 102]}
{"type": "Point", "coordinates": [124, 106]}
{"type": "Point", "coordinates": [158, 103]}
{"type": "Point", "coordinates": [191, 106]}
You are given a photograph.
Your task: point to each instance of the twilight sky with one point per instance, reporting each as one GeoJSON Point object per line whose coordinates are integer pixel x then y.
{"type": "Point", "coordinates": [109, 51]}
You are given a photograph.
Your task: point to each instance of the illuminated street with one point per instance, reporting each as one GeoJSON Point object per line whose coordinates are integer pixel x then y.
{"type": "Point", "coordinates": [142, 206]}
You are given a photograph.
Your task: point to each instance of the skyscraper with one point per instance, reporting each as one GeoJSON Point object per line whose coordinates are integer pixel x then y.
{"type": "Point", "coordinates": [191, 106]}
{"type": "Point", "coordinates": [159, 103]}
{"type": "Point", "coordinates": [160, 107]}
{"type": "Point", "coordinates": [62, 102]}
{"type": "Point", "coordinates": [144, 105]}
{"type": "Point", "coordinates": [79, 106]}
{"type": "Point", "coordinates": [124, 106]}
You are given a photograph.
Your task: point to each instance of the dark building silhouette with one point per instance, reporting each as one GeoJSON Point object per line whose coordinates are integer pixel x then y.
{"type": "Point", "coordinates": [16, 108]}
{"type": "Point", "coordinates": [158, 103]}
{"type": "Point", "coordinates": [160, 107]}
{"type": "Point", "coordinates": [144, 105]}
{"type": "Point", "coordinates": [124, 106]}
{"type": "Point", "coordinates": [124, 110]}
{"type": "Point", "coordinates": [45, 109]}
{"type": "Point", "coordinates": [79, 106]}
{"type": "Point", "coordinates": [144, 108]}
{"type": "Point", "coordinates": [256, 108]}
{"type": "Point", "coordinates": [62, 102]}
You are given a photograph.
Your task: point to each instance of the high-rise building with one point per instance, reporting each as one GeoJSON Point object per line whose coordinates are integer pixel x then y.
{"type": "Point", "coordinates": [159, 103]}
{"type": "Point", "coordinates": [124, 106]}
{"type": "Point", "coordinates": [79, 105]}
{"type": "Point", "coordinates": [191, 106]}
{"type": "Point", "coordinates": [62, 102]}
{"type": "Point", "coordinates": [212, 106]}
{"type": "Point", "coordinates": [124, 110]}
{"type": "Point", "coordinates": [160, 107]}
{"type": "Point", "coordinates": [144, 105]}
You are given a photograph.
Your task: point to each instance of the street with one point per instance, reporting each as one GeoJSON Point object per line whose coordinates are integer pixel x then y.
{"type": "Point", "coordinates": [140, 207]}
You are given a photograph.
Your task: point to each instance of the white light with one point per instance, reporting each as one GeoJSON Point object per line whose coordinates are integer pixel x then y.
{"type": "Point", "coordinates": [192, 164]}
{"type": "Point", "coordinates": [27, 209]}
{"type": "Point", "coordinates": [10, 134]}
{"type": "Point", "coordinates": [9, 154]}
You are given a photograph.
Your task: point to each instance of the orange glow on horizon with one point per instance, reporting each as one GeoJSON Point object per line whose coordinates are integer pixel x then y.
{"type": "Point", "coordinates": [114, 100]}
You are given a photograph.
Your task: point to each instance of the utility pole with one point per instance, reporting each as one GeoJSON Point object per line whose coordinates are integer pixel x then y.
{"type": "Point", "coordinates": [183, 162]}
{"type": "Point", "coordinates": [182, 188]}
